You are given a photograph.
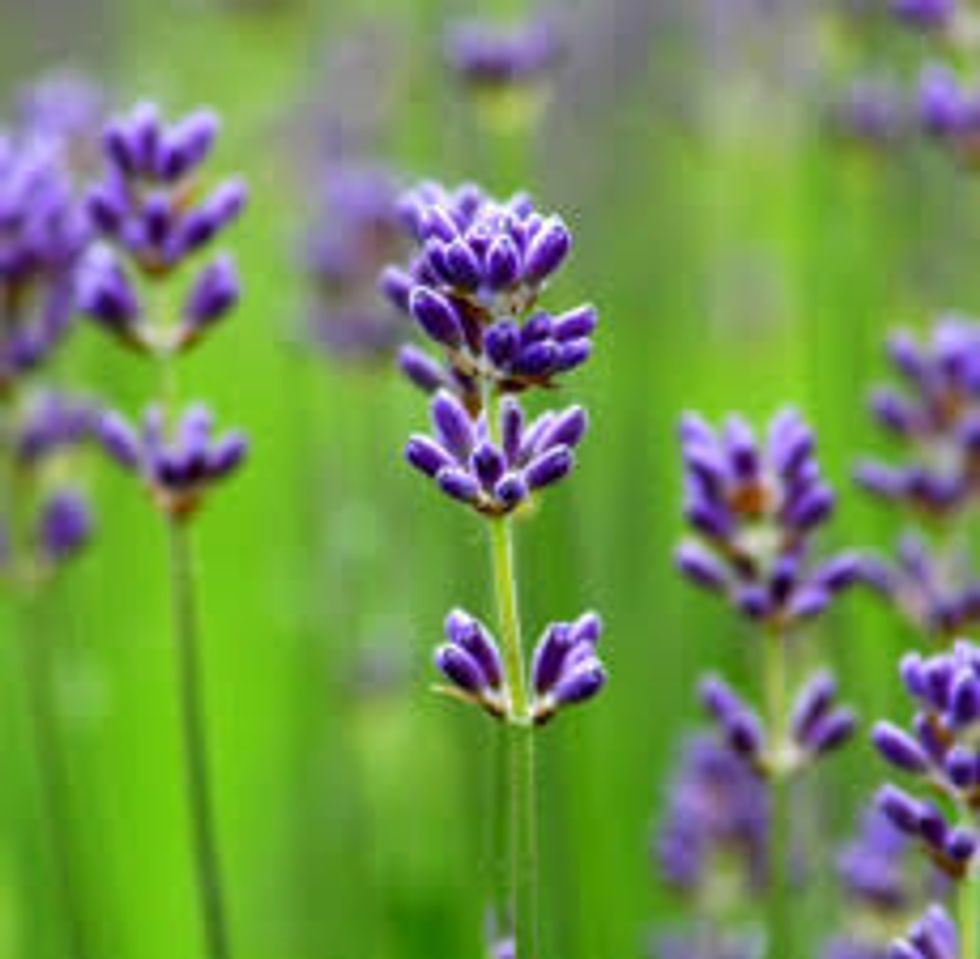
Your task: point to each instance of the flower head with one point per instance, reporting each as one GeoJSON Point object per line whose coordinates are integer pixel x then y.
{"type": "Point", "coordinates": [755, 509]}
{"type": "Point", "coordinates": [356, 232]}
{"type": "Point", "coordinates": [717, 820]}
{"type": "Point", "coordinates": [819, 725]}
{"type": "Point", "coordinates": [491, 55]}
{"type": "Point", "coordinates": [494, 476]}
{"type": "Point", "coordinates": [147, 212]}
{"type": "Point", "coordinates": [473, 290]}
{"type": "Point", "coordinates": [565, 668]}
{"type": "Point", "coordinates": [926, 14]}
{"type": "Point", "coordinates": [179, 468]}
{"type": "Point", "coordinates": [43, 233]}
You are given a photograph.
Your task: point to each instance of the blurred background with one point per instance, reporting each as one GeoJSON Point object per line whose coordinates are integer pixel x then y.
{"type": "Point", "coordinates": [748, 227]}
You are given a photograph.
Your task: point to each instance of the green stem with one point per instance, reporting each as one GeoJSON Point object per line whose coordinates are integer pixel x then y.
{"type": "Point", "coordinates": [523, 794]}
{"type": "Point", "coordinates": [52, 770]}
{"type": "Point", "coordinates": [193, 726]}
{"type": "Point", "coordinates": [968, 915]}
{"type": "Point", "coordinates": [780, 848]}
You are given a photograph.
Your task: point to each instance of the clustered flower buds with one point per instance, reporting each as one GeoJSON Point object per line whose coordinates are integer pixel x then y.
{"type": "Point", "coordinates": [938, 417]}
{"type": "Point", "coordinates": [565, 668]}
{"type": "Point", "coordinates": [942, 598]}
{"type": "Point", "coordinates": [357, 231]}
{"type": "Point", "coordinates": [717, 809]}
{"type": "Point", "coordinates": [177, 469]}
{"type": "Point", "coordinates": [49, 429]}
{"type": "Point", "coordinates": [492, 56]}
{"type": "Point", "coordinates": [43, 233]}
{"type": "Point", "coordinates": [755, 511]}
{"type": "Point", "coordinates": [496, 477]}
{"type": "Point", "coordinates": [818, 725]}
{"type": "Point", "coordinates": [473, 287]}
{"type": "Point", "coordinates": [941, 751]}
{"type": "Point", "coordinates": [147, 212]}
{"type": "Point", "coordinates": [933, 937]}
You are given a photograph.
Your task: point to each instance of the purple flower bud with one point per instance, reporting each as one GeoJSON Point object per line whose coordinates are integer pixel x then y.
{"type": "Point", "coordinates": [899, 748]}
{"type": "Point", "coordinates": [215, 291]}
{"type": "Point", "coordinates": [471, 636]}
{"type": "Point", "coordinates": [698, 565]}
{"type": "Point", "coordinates": [503, 263]}
{"type": "Point", "coordinates": [462, 266]}
{"type": "Point", "coordinates": [458, 484]}
{"type": "Point", "coordinates": [576, 324]}
{"type": "Point", "coordinates": [106, 294]}
{"type": "Point", "coordinates": [119, 440]}
{"type": "Point", "coordinates": [461, 668]}
{"type": "Point", "coordinates": [549, 467]}
{"type": "Point", "coordinates": [423, 371]}
{"type": "Point", "coordinates": [812, 704]}
{"type": "Point", "coordinates": [437, 316]}
{"type": "Point", "coordinates": [832, 731]}
{"type": "Point", "coordinates": [453, 425]}
{"type": "Point", "coordinates": [488, 464]}
{"type": "Point", "coordinates": [547, 251]}
{"type": "Point", "coordinates": [426, 455]}
{"type": "Point", "coordinates": [397, 285]}
{"type": "Point", "coordinates": [902, 810]}
{"type": "Point", "coordinates": [549, 656]}
{"type": "Point", "coordinates": [66, 525]}
{"type": "Point", "coordinates": [511, 490]}
{"type": "Point", "coordinates": [581, 684]}
{"type": "Point", "coordinates": [501, 342]}
{"type": "Point", "coordinates": [566, 429]}
{"type": "Point", "coordinates": [225, 456]}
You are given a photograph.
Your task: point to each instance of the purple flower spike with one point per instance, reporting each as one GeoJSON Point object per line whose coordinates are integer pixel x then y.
{"type": "Point", "coordinates": [495, 479]}
{"type": "Point", "coordinates": [142, 206]}
{"type": "Point", "coordinates": [473, 287]}
{"type": "Point", "coordinates": [718, 808]}
{"type": "Point", "coordinates": [566, 668]}
{"type": "Point", "coordinates": [754, 510]}
{"type": "Point", "coordinates": [178, 470]}
{"type": "Point", "coordinates": [490, 56]}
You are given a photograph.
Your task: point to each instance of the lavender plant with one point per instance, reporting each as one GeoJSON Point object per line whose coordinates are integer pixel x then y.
{"type": "Point", "coordinates": [936, 418]}
{"type": "Point", "coordinates": [473, 288]}
{"type": "Point", "coordinates": [153, 225]}
{"type": "Point", "coordinates": [44, 520]}
{"type": "Point", "coordinates": [941, 753]}
{"type": "Point", "coordinates": [754, 511]}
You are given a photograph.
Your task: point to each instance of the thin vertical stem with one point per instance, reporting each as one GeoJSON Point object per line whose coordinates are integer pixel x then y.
{"type": "Point", "coordinates": [780, 938]}
{"type": "Point", "coordinates": [186, 635]}
{"type": "Point", "coordinates": [523, 792]}
{"type": "Point", "coordinates": [968, 915]}
{"type": "Point", "coordinates": [51, 769]}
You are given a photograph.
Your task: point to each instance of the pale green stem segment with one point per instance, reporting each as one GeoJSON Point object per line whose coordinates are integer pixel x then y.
{"type": "Point", "coordinates": [193, 726]}
{"type": "Point", "coordinates": [780, 933]}
{"type": "Point", "coordinates": [192, 713]}
{"type": "Point", "coordinates": [523, 781]}
{"type": "Point", "coordinates": [968, 915]}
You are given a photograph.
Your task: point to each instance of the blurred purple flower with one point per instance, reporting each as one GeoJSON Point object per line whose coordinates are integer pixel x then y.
{"type": "Point", "coordinates": [178, 469]}
{"type": "Point", "coordinates": [755, 510]}
{"type": "Point", "coordinates": [490, 54]}
{"type": "Point", "coordinates": [933, 937]}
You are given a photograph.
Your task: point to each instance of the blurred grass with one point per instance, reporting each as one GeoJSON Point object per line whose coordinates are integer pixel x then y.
{"type": "Point", "coordinates": [740, 258]}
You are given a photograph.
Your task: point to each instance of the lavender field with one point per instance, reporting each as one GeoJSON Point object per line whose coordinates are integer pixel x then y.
{"type": "Point", "coordinates": [489, 480]}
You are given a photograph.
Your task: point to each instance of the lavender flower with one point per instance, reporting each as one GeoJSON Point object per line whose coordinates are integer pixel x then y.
{"type": "Point", "coordinates": [933, 937]}
{"type": "Point", "coordinates": [950, 113]}
{"type": "Point", "coordinates": [43, 233]}
{"type": "Point", "coordinates": [940, 751]}
{"type": "Point", "coordinates": [473, 289]}
{"type": "Point", "coordinates": [179, 469]}
{"type": "Point", "coordinates": [818, 725]}
{"type": "Point", "coordinates": [66, 107]}
{"type": "Point", "coordinates": [871, 113]}
{"type": "Point", "coordinates": [941, 597]}
{"type": "Point", "coordinates": [496, 477]}
{"type": "Point", "coordinates": [52, 422]}
{"type": "Point", "coordinates": [755, 512]}
{"type": "Point", "coordinates": [65, 526]}
{"type": "Point", "coordinates": [932, 15]}
{"type": "Point", "coordinates": [144, 211]}
{"type": "Point", "coordinates": [716, 822]}
{"type": "Point", "coordinates": [565, 667]}
{"type": "Point", "coordinates": [357, 230]}
{"type": "Point", "coordinates": [937, 417]}
{"type": "Point", "coordinates": [872, 868]}
{"type": "Point", "coordinates": [490, 55]}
